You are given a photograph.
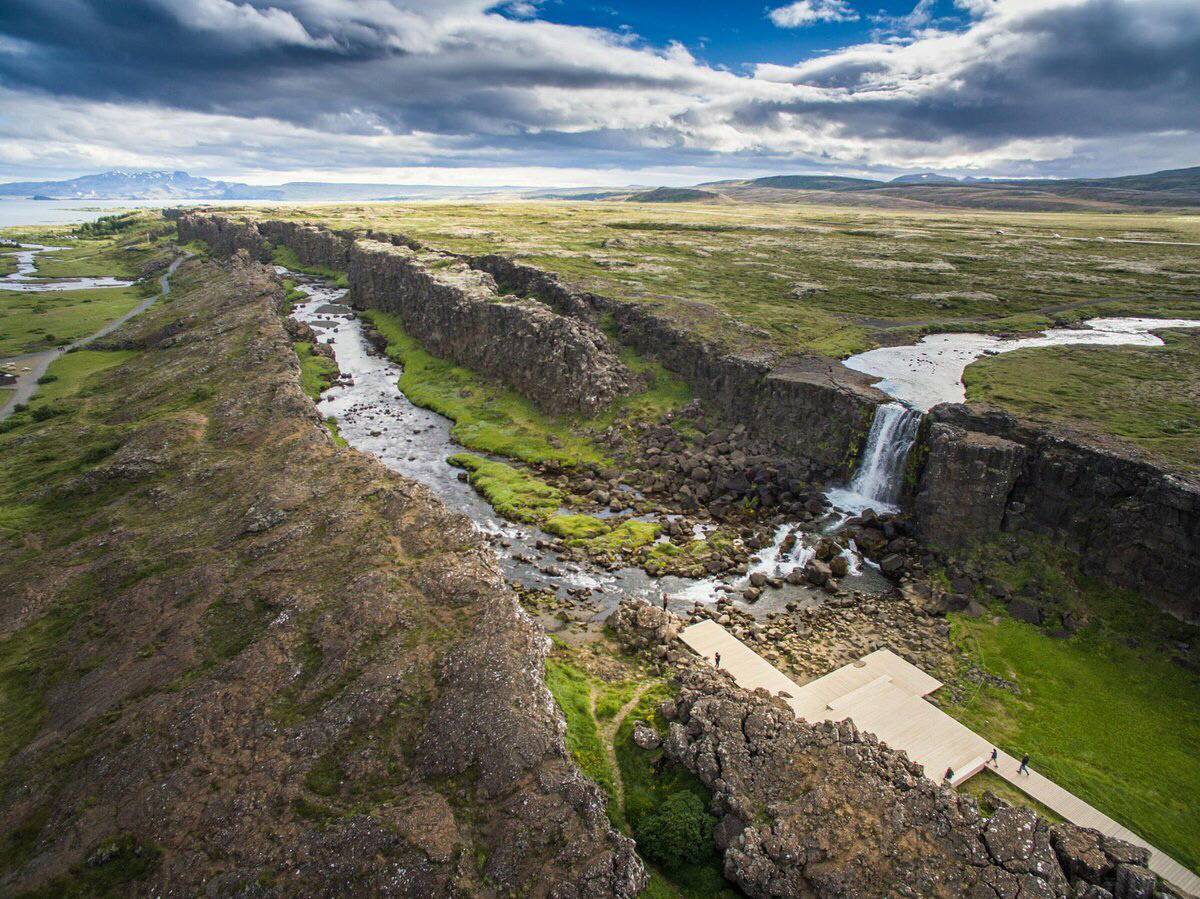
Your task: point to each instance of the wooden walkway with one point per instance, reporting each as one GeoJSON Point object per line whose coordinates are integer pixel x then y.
{"type": "Point", "coordinates": [884, 695]}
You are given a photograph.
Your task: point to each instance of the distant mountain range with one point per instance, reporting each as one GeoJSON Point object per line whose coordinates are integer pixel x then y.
{"type": "Point", "coordinates": [1174, 189]}
{"type": "Point", "coordinates": [120, 185]}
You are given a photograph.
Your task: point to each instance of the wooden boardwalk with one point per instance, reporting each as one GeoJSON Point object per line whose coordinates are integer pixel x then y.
{"type": "Point", "coordinates": [884, 695]}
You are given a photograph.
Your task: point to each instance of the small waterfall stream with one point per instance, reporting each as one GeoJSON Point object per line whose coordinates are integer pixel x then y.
{"type": "Point", "coordinates": [879, 480]}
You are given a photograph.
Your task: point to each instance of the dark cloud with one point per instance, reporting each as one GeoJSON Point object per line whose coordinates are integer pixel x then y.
{"type": "Point", "coordinates": [379, 83]}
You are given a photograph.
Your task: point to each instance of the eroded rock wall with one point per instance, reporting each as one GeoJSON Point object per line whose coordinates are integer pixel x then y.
{"type": "Point", "coordinates": [224, 236]}
{"type": "Point", "coordinates": [814, 409]}
{"type": "Point", "coordinates": [563, 364]}
{"type": "Point", "coordinates": [312, 245]}
{"type": "Point", "coordinates": [1129, 520]}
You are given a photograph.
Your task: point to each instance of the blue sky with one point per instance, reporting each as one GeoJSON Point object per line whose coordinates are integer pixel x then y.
{"type": "Point", "coordinates": [737, 35]}
{"type": "Point", "coordinates": [570, 92]}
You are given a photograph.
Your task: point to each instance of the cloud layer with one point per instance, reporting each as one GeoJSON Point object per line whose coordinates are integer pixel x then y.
{"type": "Point", "coordinates": [230, 86]}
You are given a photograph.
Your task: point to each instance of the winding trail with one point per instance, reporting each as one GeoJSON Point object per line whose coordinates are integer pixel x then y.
{"type": "Point", "coordinates": [37, 363]}
{"type": "Point", "coordinates": [608, 736]}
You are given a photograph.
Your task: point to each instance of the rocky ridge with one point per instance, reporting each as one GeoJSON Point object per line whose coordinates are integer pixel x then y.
{"type": "Point", "coordinates": [276, 668]}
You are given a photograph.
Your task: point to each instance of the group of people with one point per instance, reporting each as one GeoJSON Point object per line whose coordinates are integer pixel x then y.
{"type": "Point", "coordinates": [994, 761]}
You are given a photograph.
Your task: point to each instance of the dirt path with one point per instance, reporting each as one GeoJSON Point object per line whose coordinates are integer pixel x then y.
{"type": "Point", "coordinates": [608, 736]}
{"type": "Point", "coordinates": [26, 384]}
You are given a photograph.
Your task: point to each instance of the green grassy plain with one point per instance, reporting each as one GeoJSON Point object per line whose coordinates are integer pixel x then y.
{"type": "Point", "coordinates": [1106, 713]}
{"type": "Point", "coordinates": [1148, 396]}
{"type": "Point", "coordinates": [40, 320]}
{"type": "Point", "coordinates": [814, 278]}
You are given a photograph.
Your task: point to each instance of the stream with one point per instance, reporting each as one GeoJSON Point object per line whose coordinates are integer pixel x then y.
{"type": "Point", "coordinates": [25, 277]}
{"type": "Point", "coordinates": [375, 417]}
{"type": "Point", "coordinates": [929, 372]}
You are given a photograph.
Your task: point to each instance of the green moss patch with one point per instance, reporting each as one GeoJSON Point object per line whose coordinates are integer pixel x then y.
{"type": "Point", "coordinates": [511, 492]}
{"type": "Point", "coordinates": [317, 372]}
{"type": "Point", "coordinates": [575, 527]}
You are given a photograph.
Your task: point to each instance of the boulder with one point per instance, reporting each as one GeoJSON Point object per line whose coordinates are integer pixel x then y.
{"type": "Point", "coordinates": [645, 737]}
{"type": "Point", "coordinates": [1024, 610]}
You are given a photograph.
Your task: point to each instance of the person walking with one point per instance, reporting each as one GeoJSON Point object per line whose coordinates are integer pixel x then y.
{"type": "Point", "coordinates": [1024, 769]}
{"type": "Point", "coordinates": [995, 759]}
{"type": "Point", "coordinates": [948, 776]}
{"type": "Point", "coordinates": [717, 657]}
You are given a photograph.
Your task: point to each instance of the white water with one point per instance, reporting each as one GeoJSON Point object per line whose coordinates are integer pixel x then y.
{"type": "Point", "coordinates": [930, 372]}
{"type": "Point", "coordinates": [880, 476]}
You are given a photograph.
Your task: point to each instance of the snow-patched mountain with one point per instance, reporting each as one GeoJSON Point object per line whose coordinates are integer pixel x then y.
{"type": "Point", "coordinates": [121, 185]}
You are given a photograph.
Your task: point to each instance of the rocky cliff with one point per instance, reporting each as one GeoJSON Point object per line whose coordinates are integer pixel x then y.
{"type": "Point", "coordinates": [825, 810]}
{"type": "Point", "coordinates": [224, 235]}
{"type": "Point", "coordinates": [563, 364]}
{"type": "Point", "coordinates": [250, 663]}
{"type": "Point", "coordinates": [814, 409]}
{"type": "Point", "coordinates": [1129, 520]}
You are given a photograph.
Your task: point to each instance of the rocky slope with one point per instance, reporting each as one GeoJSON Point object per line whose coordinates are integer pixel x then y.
{"type": "Point", "coordinates": [825, 810]}
{"type": "Point", "coordinates": [246, 662]}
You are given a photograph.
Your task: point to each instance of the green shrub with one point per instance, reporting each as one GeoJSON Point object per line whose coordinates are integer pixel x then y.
{"type": "Point", "coordinates": [47, 379]}
{"type": "Point", "coordinates": [678, 833]}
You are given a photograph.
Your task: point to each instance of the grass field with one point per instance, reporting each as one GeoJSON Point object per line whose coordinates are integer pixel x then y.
{"type": "Point", "coordinates": [36, 321]}
{"type": "Point", "coordinates": [822, 278]}
{"type": "Point", "coordinates": [1106, 713]}
{"type": "Point", "coordinates": [1149, 397]}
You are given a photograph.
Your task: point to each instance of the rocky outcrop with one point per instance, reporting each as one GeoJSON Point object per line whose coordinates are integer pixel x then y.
{"type": "Point", "coordinates": [224, 236]}
{"type": "Point", "coordinates": [965, 486]}
{"type": "Point", "coordinates": [827, 811]}
{"type": "Point", "coordinates": [563, 364]}
{"type": "Point", "coordinates": [812, 408]}
{"type": "Point", "coordinates": [1129, 520]}
{"type": "Point", "coordinates": [277, 668]}
{"type": "Point", "coordinates": [313, 246]}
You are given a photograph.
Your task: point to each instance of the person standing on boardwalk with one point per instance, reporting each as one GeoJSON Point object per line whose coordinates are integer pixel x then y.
{"type": "Point", "coordinates": [948, 776]}
{"type": "Point", "coordinates": [717, 657]}
{"type": "Point", "coordinates": [1024, 769]}
{"type": "Point", "coordinates": [995, 759]}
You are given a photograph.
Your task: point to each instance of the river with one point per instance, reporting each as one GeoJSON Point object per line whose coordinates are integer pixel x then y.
{"type": "Point", "coordinates": [375, 417]}
{"type": "Point", "coordinates": [927, 373]}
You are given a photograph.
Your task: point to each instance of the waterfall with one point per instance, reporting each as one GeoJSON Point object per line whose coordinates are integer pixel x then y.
{"type": "Point", "coordinates": [880, 476]}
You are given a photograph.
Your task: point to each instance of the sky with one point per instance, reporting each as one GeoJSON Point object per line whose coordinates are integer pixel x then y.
{"type": "Point", "coordinates": [568, 93]}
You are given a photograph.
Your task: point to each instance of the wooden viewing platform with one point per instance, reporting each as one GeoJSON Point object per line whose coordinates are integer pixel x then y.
{"type": "Point", "coordinates": [885, 695]}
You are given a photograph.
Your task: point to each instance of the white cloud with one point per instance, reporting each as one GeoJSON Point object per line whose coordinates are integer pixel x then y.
{"type": "Point", "coordinates": [810, 12]}
{"type": "Point", "coordinates": [243, 22]}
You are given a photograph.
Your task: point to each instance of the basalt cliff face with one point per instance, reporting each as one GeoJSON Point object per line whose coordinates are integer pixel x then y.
{"type": "Point", "coordinates": [811, 408]}
{"type": "Point", "coordinates": [563, 364]}
{"type": "Point", "coordinates": [255, 664]}
{"type": "Point", "coordinates": [1129, 520]}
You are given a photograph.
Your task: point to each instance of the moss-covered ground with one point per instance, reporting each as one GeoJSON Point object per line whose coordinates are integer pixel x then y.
{"type": "Point", "coordinates": [601, 711]}
{"type": "Point", "coordinates": [317, 372]}
{"type": "Point", "coordinates": [512, 492]}
{"type": "Point", "coordinates": [1111, 714]}
{"type": "Point", "coordinates": [1148, 396]}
